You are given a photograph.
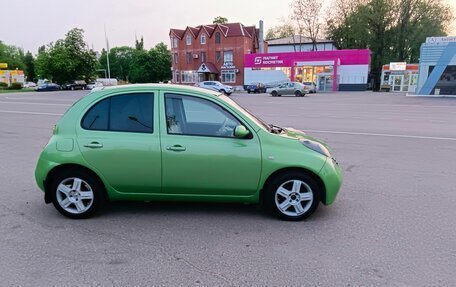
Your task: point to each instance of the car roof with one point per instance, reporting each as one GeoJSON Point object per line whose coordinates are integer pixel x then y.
{"type": "Point", "coordinates": [169, 87]}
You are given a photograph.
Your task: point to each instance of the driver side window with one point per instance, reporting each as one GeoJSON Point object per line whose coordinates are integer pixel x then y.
{"type": "Point", "coordinates": [187, 115]}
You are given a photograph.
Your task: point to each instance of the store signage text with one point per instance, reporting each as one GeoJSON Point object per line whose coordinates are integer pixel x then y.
{"type": "Point", "coordinates": [398, 66]}
{"type": "Point", "coordinates": [228, 66]}
{"type": "Point", "coordinates": [268, 60]}
{"type": "Point", "coordinates": [436, 40]}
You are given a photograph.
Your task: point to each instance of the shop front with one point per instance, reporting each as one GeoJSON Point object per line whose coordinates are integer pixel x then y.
{"type": "Point", "coordinates": [399, 77]}
{"type": "Point", "coordinates": [338, 70]}
{"type": "Point", "coordinates": [437, 69]}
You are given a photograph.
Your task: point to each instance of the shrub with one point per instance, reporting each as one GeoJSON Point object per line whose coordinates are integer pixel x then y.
{"type": "Point", "coordinates": [15, 86]}
{"type": "Point", "coordinates": [3, 85]}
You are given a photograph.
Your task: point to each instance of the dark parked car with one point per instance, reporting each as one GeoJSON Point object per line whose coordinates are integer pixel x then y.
{"type": "Point", "coordinates": [75, 85]}
{"type": "Point", "coordinates": [48, 87]}
{"type": "Point", "coordinates": [255, 88]}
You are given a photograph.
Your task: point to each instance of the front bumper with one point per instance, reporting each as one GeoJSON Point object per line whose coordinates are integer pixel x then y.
{"type": "Point", "coordinates": [332, 177]}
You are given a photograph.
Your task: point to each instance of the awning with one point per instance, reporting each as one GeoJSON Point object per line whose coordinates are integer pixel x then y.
{"type": "Point", "coordinates": [208, 68]}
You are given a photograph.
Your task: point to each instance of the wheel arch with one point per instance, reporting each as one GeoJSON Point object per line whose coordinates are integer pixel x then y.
{"type": "Point", "coordinates": [54, 171]}
{"type": "Point", "coordinates": [310, 173]}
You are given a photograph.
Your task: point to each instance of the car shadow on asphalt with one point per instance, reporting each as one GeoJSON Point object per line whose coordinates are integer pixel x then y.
{"type": "Point", "coordinates": [185, 209]}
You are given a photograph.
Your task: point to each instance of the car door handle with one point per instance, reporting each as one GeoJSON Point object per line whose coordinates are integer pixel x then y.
{"type": "Point", "coordinates": [176, 148]}
{"type": "Point", "coordinates": [94, 145]}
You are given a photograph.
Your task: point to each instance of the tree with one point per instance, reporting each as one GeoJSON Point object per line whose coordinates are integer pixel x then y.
{"type": "Point", "coordinates": [307, 18]}
{"type": "Point", "coordinates": [151, 66]}
{"type": "Point", "coordinates": [139, 44]}
{"type": "Point", "coordinates": [29, 62]}
{"type": "Point", "coordinates": [12, 55]}
{"type": "Point", "coordinates": [67, 59]}
{"type": "Point", "coordinates": [220, 20]}
{"type": "Point", "coordinates": [392, 29]}
{"type": "Point", "coordinates": [280, 31]}
{"type": "Point", "coordinates": [120, 59]}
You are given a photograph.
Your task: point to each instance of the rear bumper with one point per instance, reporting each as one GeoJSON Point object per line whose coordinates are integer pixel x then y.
{"type": "Point", "coordinates": [332, 177]}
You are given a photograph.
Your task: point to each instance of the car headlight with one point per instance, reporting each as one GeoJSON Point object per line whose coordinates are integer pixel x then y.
{"type": "Point", "coordinates": [315, 146]}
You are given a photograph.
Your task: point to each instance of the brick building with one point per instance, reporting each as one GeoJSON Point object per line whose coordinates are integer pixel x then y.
{"type": "Point", "coordinates": [213, 52]}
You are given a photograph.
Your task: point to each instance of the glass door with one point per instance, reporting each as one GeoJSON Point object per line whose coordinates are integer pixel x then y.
{"type": "Point", "coordinates": [396, 83]}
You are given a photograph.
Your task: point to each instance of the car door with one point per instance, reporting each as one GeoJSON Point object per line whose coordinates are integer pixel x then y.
{"type": "Point", "coordinates": [200, 155]}
{"type": "Point", "coordinates": [118, 137]}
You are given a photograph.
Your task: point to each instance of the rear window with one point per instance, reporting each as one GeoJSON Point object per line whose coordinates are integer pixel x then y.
{"type": "Point", "coordinates": [122, 113]}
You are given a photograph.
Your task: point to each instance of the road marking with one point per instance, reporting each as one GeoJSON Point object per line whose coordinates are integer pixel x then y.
{"type": "Point", "coordinates": [39, 104]}
{"type": "Point", "coordinates": [381, 135]}
{"type": "Point", "coordinates": [30, 113]}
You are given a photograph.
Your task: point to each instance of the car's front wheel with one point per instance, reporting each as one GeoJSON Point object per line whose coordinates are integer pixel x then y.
{"type": "Point", "coordinates": [292, 196]}
{"type": "Point", "coordinates": [77, 194]}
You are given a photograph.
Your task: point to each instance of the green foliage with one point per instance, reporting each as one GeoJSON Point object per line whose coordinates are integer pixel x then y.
{"type": "Point", "coordinates": [29, 62]}
{"type": "Point", "coordinates": [120, 59]}
{"type": "Point", "coordinates": [3, 85]}
{"type": "Point", "coordinates": [220, 20]}
{"type": "Point", "coordinates": [138, 65]}
{"type": "Point", "coordinates": [67, 59]}
{"type": "Point", "coordinates": [15, 86]}
{"type": "Point", "coordinates": [281, 31]}
{"type": "Point", "coordinates": [139, 45]}
{"type": "Point", "coordinates": [392, 29]}
{"type": "Point", "coordinates": [12, 55]}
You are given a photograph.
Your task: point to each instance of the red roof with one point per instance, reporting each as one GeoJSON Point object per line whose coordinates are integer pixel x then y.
{"type": "Point", "coordinates": [228, 30]}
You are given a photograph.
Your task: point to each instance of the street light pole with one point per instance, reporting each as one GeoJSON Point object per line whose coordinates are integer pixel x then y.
{"type": "Point", "coordinates": [107, 53]}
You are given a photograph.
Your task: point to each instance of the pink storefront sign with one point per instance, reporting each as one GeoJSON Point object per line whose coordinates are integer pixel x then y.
{"type": "Point", "coordinates": [346, 57]}
{"type": "Point", "coordinates": [292, 59]}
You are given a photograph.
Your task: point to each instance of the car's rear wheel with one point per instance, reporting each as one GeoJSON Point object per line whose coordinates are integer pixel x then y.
{"type": "Point", "coordinates": [77, 194]}
{"type": "Point", "coordinates": [298, 94]}
{"type": "Point", "coordinates": [274, 94]}
{"type": "Point", "coordinates": [292, 196]}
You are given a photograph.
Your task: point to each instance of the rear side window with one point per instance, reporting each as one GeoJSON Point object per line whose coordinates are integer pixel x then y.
{"type": "Point", "coordinates": [124, 113]}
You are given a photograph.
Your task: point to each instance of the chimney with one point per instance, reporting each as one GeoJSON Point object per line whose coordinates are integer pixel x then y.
{"type": "Point", "coordinates": [260, 38]}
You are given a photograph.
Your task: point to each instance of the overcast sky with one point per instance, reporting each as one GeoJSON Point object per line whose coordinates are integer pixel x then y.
{"type": "Point", "coordinates": [30, 23]}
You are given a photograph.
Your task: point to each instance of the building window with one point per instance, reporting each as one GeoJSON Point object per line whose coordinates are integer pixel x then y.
{"type": "Point", "coordinates": [217, 38]}
{"type": "Point", "coordinates": [189, 76]}
{"type": "Point", "coordinates": [189, 40]}
{"type": "Point", "coordinates": [177, 78]}
{"type": "Point", "coordinates": [173, 42]}
{"type": "Point", "coordinates": [218, 56]}
{"type": "Point", "coordinates": [203, 39]}
{"type": "Point", "coordinates": [228, 76]}
{"type": "Point", "coordinates": [189, 57]}
{"type": "Point", "coordinates": [175, 58]}
{"type": "Point", "coordinates": [228, 56]}
{"type": "Point", "coordinates": [203, 57]}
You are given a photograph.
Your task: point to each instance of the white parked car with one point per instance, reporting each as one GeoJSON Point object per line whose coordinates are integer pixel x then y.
{"type": "Point", "coordinates": [216, 86]}
{"type": "Point", "coordinates": [29, 85]}
{"type": "Point", "coordinates": [92, 85]}
{"type": "Point", "coordinates": [292, 88]}
{"type": "Point", "coordinates": [312, 87]}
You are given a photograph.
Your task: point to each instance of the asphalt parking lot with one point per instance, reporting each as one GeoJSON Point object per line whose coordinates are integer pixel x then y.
{"type": "Point", "coordinates": [393, 223]}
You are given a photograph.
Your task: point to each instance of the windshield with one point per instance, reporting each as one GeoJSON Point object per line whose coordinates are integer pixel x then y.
{"type": "Point", "coordinates": [244, 111]}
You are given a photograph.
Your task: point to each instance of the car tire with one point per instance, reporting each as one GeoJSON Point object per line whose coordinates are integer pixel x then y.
{"type": "Point", "coordinates": [248, 91]}
{"type": "Point", "coordinates": [77, 194]}
{"type": "Point", "coordinates": [298, 94]}
{"type": "Point", "coordinates": [223, 91]}
{"type": "Point", "coordinates": [292, 196]}
{"type": "Point", "coordinates": [274, 94]}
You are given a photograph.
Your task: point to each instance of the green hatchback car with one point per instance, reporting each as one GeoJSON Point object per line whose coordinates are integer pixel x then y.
{"type": "Point", "coordinates": [166, 143]}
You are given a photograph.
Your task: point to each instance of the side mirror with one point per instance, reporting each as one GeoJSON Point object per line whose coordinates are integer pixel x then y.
{"type": "Point", "coordinates": [241, 132]}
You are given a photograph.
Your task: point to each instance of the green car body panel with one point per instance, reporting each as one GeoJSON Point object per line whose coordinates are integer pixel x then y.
{"type": "Point", "coordinates": [139, 166]}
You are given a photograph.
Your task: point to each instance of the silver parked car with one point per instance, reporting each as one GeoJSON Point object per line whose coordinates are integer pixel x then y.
{"type": "Point", "coordinates": [312, 87]}
{"type": "Point", "coordinates": [216, 86]}
{"type": "Point", "coordinates": [292, 88]}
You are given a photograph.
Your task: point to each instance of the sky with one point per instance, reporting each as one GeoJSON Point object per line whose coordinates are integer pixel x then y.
{"type": "Point", "coordinates": [44, 21]}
